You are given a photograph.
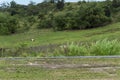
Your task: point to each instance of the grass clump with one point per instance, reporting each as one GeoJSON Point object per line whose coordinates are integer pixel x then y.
{"type": "Point", "coordinates": [105, 47]}
{"type": "Point", "coordinates": [98, 48]}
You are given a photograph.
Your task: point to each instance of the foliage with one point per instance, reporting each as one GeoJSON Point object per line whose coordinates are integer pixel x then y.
{"type": "Point", "coordinates": [98, 48]}
{"type": "Point", "coordinates": [93, 15]}
{"type": "Point", "coordinates": [45, 21]}
{"type": "Point", "coordinates": [73, 50]}
{"type": "Point", "coordinates": [107, 11]}
{"type": "Point", "coordinates": [60, 4]}
{"type": "Point", "coordinates": [19, 51]}
{"type": "Point", "coordinates": [8, 24]}
{"type": "Point", "coordinates": [63, 21]}
{"type": "Point", "coordinates": [11, 24]}
{"type": "Point", "coordinates": [116, 3]}
{"type": "Point", "coordinates": [105, 47]}
{"type": "Point", "coordinates": [45, 37]}
{"type": "Point", "coordinates": [65, 16]}
{"type": "Point", "coordinates": [87, 16]}
{"type": "Point", "coordinates": [59, 21]}
{"type": "Point", "coordinates": [31, 20]}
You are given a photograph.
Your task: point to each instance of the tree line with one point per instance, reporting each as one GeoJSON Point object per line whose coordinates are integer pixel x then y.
{"type": "Point", "coordinates": [57, 14]}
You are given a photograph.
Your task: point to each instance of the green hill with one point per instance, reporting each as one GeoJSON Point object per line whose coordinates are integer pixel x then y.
{"type": "Point", "coordinates": [47, 36]}
{"type": "Point", "coordinates": [44, 27]}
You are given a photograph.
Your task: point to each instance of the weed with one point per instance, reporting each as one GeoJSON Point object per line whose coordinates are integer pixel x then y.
{"type": "Point", "coordinates": [98, 48]}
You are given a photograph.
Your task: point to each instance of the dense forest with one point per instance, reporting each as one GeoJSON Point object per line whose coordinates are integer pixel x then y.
{"type": "Point", "coordinates": [57, 15]}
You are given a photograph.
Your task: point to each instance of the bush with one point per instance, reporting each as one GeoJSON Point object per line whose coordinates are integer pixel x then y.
{"type": "Point", "coordinates": [89, 15]}
{"type": "Point", "coordinates": [59, 21]}
{"type": "Point", "coordinates": [66, 21]}
{"type": "Point", "coordinates": [8, 24]}
{"type": "Point", "coordinates": [116, 3]}
{"type": "Point", "coordinates": [92, 15]}
{"type": "Point", "coordinates": [45, 23]}
{"type": "Point", "coordinates": [31, 20]}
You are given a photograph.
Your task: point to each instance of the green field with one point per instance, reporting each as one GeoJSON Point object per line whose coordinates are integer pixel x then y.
{"type": "Point", "coordinates": [45, 37]}
{"type": "Point", "coordinates": [60, 40]}
{"type": "Point", "coordinates": [60, 69]}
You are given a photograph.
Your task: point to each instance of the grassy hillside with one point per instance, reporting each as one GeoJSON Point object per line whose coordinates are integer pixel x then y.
{"type": "Point", "coordinates": [45, 37]}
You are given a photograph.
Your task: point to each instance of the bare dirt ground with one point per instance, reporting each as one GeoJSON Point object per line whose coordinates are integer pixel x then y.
{"type": "Point", "coordinates": [57, 63]}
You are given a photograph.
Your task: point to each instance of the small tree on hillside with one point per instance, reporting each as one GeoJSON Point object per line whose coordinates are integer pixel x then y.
{"type": "Point", "coordinates": [60, 4]}
{"type": "Point", "coordinates": [116, 3]}
{"type": "Point", "coordinates": [8, 24]}
{"type": "Point", "coordinates": [107, 11]}
{"type": "Point", "coordinates": [13, 6]}
{"type": "Point", "coordinates": [52, 1]}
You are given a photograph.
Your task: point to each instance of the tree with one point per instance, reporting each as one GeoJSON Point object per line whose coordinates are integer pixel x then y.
{"type": "Point", "coordinates": [32, 8]}
{"type": "Point", "coordinates": [116, 3]}
{"type": "Point", "coordinates": [52, 1]}
{"type": "Point", "coordinates": [94, 16]}
{"type": "Point", "coordinates": [107, 11]}
{"type": "Point", "coordinates": [8, 24]}
{"type": "Point", "coordinates": [49, 1]}
{"type": "Point", "coordinates": [13, 9]}
{"type": "Point", "coordinates": [13, 4]}
{"type": "Point", "coordinates": [31, 3]}
{"type": "Point", "coordinates": [4, 7]}
{"type": "Point", "coordinates": [60, 4]}
{"type": "Point", "coordinates": [59, 22]}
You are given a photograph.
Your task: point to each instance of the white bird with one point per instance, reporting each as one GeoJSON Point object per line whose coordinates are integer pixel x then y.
{"type": "Point", "coordinates": [30, 63]}
{"type": "Point", "coordinates": [32, 40]}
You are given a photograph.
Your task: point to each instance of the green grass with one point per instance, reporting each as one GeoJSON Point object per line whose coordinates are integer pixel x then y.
{"type": "Point", "coordinates": [45, 37]}
{"type": "Point", "coordinates": [12, 70]}
{"type": "Point", "coordinates": [99, 48]}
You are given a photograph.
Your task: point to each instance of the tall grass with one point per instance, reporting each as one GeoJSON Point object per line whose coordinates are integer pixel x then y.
{"type": "Point", "coordinates": [98, 48]}
{"type": "Point", "coordinates": [105, 47]}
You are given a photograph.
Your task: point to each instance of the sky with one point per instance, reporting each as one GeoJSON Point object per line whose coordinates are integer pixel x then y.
{"type": "Point", "coordinates": [25, 2]}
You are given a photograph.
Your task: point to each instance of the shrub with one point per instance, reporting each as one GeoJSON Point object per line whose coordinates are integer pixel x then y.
{"type": "Point", "coordinates": [89, 15]}
{"type": "Point", "coordinates": [45, 23]}
{"type": "Point", "coordinates": [8, 24]}
{"type": "Point", "coordinates": [65, 21]}
{"type": "Point", "coordinates": [92, 15]}
{"type": "Point", "coordinates": [31, 20]}
{"type": "Point", "coordinates": [116, 3]}
{"type": "Point", "coordinates": [59, 21]}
